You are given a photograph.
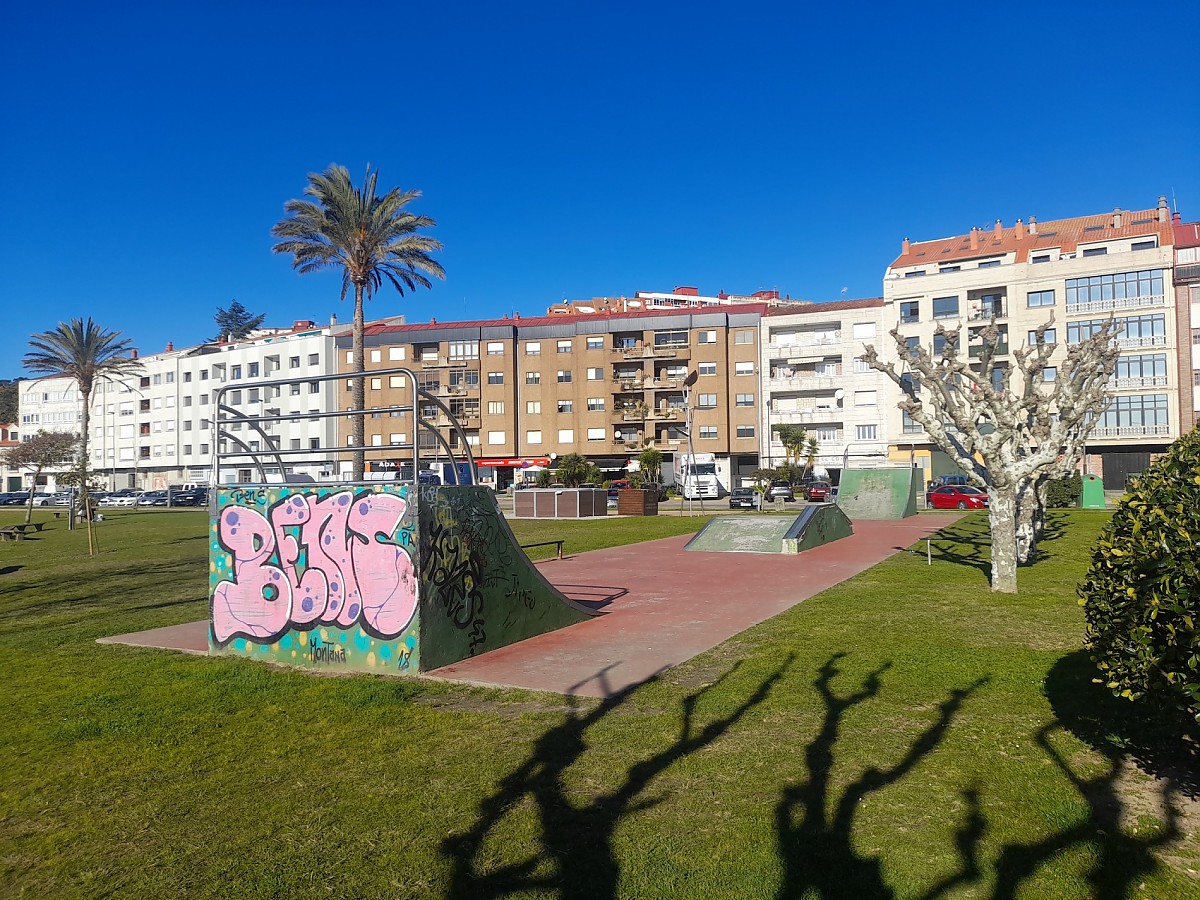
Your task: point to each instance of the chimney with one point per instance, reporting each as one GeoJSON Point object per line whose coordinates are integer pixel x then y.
{"type": "Point", "coordinates": [333, 318]}
{"type": "Point", "coordinates": [432, 320]}
{"type": "Point", "coordinates": [905, 246]}
{"type": "Point", "coordinates": [1175, 218]}
{"type": "Point", "coordinates": [1033, 224]}
{"type": "Point", "coordinates": [170, 346]}
{"type": "Point", "coordinates": [1020, 230]}
{"type": "Point", "coordinates": [999, 232]}
{"type": "Point", "coordinates": [516, 315]}
{"type": "Point", "coordinates": [1116, 217]}
{"type": "Point", "coordinates": [133, 352]}
{"type": "Point", "coordinates": [974, 238]}
{"type": "Point", "coordinates": [1164, 214]}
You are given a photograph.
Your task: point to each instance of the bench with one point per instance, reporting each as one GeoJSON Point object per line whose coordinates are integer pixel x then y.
{"type": "Point", "coordinates": [558, 544]}
{"type": "Point", "coordinates": [12, 533]}
{"type": "Point", "coordinates": [36, 526]}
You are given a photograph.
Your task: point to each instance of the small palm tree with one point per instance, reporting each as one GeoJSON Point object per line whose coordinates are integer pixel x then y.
{"type": "Point", "coordinates": [88, 355]}
{"type": "Point", "coordinates": [370, 239]}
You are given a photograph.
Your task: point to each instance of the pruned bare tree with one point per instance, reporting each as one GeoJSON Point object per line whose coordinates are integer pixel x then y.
{"type": "Point", "coordinates": [1007, 428]}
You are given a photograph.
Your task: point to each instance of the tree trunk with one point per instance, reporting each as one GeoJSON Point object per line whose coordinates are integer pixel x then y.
{"type": "Point", "coordinates": [29, 503]}
{"type": "Point", "coordinates": [1026, 522]}
{"type": "Point", "coordinates": [1002, 516]}
{"type": "Point", "coordinates": [1039, 513]}
{"type": "Point", "coordinates": [85, 498]}
{"type": "Point", "coordinates": [358, 391]}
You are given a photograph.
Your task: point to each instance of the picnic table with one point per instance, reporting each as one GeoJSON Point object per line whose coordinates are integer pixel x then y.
{"type": "Point", "coordinates": [17, 532]}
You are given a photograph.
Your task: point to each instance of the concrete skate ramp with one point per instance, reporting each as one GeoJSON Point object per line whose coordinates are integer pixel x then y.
{"type": "Point", "coordinates": [479, 590]}
{"type": "Point", "coordinates": [889, 493]}
{"type": "Point", "coordinates": [815, 525]}
{"type": "Point", "coordinates": [371, 579]}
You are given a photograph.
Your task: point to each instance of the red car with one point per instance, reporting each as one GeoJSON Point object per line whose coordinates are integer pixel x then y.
{"type": "Point", "coordinates": [818, 492]}
{"type": "Point", "coordinates": [953, 496]}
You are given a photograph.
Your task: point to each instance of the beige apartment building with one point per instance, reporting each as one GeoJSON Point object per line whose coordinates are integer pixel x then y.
{"type": "Point", "coordinates": [1074, 273]}
{"type": "Point", "coordinates": [527, 391]}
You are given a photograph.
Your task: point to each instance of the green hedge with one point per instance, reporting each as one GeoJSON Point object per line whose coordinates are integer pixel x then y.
{"type": "Point", "coordinates": [1063, 493]}
{"type": "Point", "coordinates": [1141, 595]}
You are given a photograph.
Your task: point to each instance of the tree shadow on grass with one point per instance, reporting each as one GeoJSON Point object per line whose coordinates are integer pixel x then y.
{"type": "Point", "coordinates": [966, 545]}
{"type": "Point", "coordinates": [815, 831]}
{"type": "Point", "coordinates": [576, 857]}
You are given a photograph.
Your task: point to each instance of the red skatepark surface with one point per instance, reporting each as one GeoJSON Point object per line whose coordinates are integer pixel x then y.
{"type": "Point", "coordinates": [661, 604]}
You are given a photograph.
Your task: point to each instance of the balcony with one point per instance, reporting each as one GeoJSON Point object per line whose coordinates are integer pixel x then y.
{"type": "Point", "coordinates": [807, 347]}
{"type": "Point", "coordinates": [806, 416]}
{"type": "Point", "coordinates": [1001, 350]}
{"type": "Point", "coordinates": [443, 363]}
{"type": "Point", "coordinates": [664, 351]}
{"type": "Point", "coordinates": [987, 314]}
{"type": "Point", "coordinates": [801, 382]}
{"type": "Point", "coordinates": [650, 414]}
{"type": "Point", "coordinates": [1139, 381]}
{"type": "Point", "coordinates": [1130, 431]}
{"type": "Point", "coordinates": [1095, 306]}
{"type": "Point", "coordinates": [1152, 340]}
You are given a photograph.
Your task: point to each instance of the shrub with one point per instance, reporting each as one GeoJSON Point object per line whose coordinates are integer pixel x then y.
{"type": "Point", "coordinates": [1142, 592]}
{"type": "Point", "coordinates": [1063, 493]}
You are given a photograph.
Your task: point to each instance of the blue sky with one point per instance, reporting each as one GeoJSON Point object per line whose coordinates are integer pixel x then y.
{"type": "Point", "coordinates": [566, 150]}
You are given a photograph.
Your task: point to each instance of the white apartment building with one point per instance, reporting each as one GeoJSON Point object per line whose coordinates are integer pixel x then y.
{"type": "Point", "coordinates": [1187, 295]}
{"type": "Point", "coordinates": [811, 376]}
{"type": "Point", "coordinates": [1074, 273]}
{"type": "Point", "coordinates": [46, 404]}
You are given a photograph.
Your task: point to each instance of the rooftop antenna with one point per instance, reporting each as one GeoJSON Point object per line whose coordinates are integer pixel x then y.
{"type": "Point", "coordinates": [1174, 202]}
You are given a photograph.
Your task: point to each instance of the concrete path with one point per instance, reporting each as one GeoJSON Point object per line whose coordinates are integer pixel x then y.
{"type": "Point", "coordinates": [662, 606]}
{"type": "Point", "coordinates": [666, 606]}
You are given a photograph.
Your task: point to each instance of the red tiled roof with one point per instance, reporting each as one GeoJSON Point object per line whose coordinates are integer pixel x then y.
{"type": "Point", "coordinates": [1063, 233]}
{"type": "Point", "coordinates": [818, 308]}
{"type": "Point", "coordinates": [519, 321]}
{"type": "Point", "coordinates": [1187, 235]}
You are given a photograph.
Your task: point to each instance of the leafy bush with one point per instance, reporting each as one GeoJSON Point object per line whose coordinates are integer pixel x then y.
{"type": "Point", "coordinates": [1063, 493]}
{"type": "Point", "coordinates": [1142, 592]}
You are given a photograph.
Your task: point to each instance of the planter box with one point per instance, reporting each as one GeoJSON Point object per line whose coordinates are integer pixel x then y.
{"type": "Point", "coordinates": [560, 503]}
{"type": "Point", "coordinates": [637, 503]}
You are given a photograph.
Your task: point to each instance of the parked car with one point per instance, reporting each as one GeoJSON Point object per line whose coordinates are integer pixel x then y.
{"type": "Point", "coordinates": [781, 489]}
{"type": "Point", "coordinates": [818, 492]}
{"type": "Point", "coordinates": [150, 498]}
{"type": "Point", "coordinates": [743, 498]}
{"type": "Point", "coordinates": [958, 497]}
{"type": "Point", "coordinates": [119, 500]}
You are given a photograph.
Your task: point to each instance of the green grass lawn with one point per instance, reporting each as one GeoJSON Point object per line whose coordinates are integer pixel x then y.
{"type": "Point", "coordinates": [905, 734]}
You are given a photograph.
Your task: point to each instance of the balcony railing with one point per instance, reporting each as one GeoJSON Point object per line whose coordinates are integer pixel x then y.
{"type": "Point", "coordinates": [1131, 431]}
{"type": "Point", "coordinates": [1001, 349]}
{"type": "Point", "coordinates": [987, 313]}
{"type": "Point", "coordinates": [663, 351]}
{"type": "Point", "coordinates": [650, 415]}
{"type": "Point", "coordinates": [1152, 340]}
{"type": "Point", "coordinates": [805, 416]}
{"type": "Point", "coordinates": [443, 363]}
{"type": "Point", "coordinates": [801, 382]}
{"type": "Point", "coordinates": [798, 348]}
{"type": "Point", "coordinates": [1095, 306]}
{"type": "Point", "coordinates": [1138, 381]}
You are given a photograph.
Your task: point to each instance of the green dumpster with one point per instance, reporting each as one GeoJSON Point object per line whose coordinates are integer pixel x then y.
{"type": "Point", "coordinates": [1092, 495]}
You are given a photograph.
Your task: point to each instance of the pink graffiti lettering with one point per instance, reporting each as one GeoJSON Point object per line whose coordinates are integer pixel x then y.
{"type": "Point", "coordinates": [330, 560]}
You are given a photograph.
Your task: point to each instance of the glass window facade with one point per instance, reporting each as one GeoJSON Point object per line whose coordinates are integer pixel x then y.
{"type": "Point", "coordinates": [1121, 286]}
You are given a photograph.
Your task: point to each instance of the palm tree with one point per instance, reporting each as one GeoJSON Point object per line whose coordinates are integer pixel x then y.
{"type": "Point", "coordinates": [371, 239]}
{"type": "Point", "coordinates": [87, 354]}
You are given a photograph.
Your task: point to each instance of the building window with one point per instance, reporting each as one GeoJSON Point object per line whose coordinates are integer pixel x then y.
{"type": "Point", "coordinates": [743, 337]}
{"type": "Point", "coordinates": [533, 407]}
{"type": "Point", "coordinates": [942, 270]}
{"type": "Point", "coordinates": [566, 435]}
{"type": "Point", "coordinates": [670, 339]}
{"type": "Point", "coordinates": [744, 400]}
{"type": "Point", "coordinates": [252, 370]}
{"type": "Point", "coordinates": [495, 378]}
{"type": "Point", "coordinates": [595, 404]}
{"type": "Point", "coordinates": [743, 368]}
{"type": "Point", "coordinates": [395, 353]}
{"type": "Point", "coordinates": [533, 377]}
{"type": "Point", "coordinates": [595, 343]}
{"type": "Point", "coordinates": [187, 377]}
{"type": "Point", "coordinates": [864, 398]}
{"type": "Point", "coordinates": [1049, 374]}
{"type": "Point", "coordinates": [708, 432]}
{"type": "Point", "coordinates": [595, 434]}
{"type": "Point", "coordinates": [595, 374]}
{"type": "Point", "coordinates": [862, 331]}
{"type": "Point", "coordinates": [1137, 412]}
{"type": "Point", "coordinates": [915, 273]}
{"type": "Point", "coordinates": [235, 372]}
{"type": "Point", "coordinates": [709, 368]}
{"type": "Point", "coordinates": [706, 401]}
{"type": "Point", "coordinates": [1144, 245]}
{"type": "Point", "coordinates": [1050, 336]}
{"type": "Point", "coordinates": [464, 378]}
{"type": "Point", "coordinates": [945, 307]}
{"type": "Point", "coordinates": [1095, 251]}
{"type": "Point", "coordinates": [376, 384]}
{"type": "Point", "coordinates": [908, 424]}
{"type": "Point", "coordinates": [1149, 366]}
{"type": "Point", "coordinates": [563, 347]}
{"type": "Point", "coordinates": [495, 407]}
{"type": "Point", "coordinates": [745, 431]}
{"type": "Point", "coordinates": [1040, 298]}
{"type": "Point", "coordinates": [533, 437]}
{"type": "Point", "coordinates": [495, 348]}
{"type": "Point", "coordinates": [533, 348]}
{"type": "Point", "coordinates": [1121, 286]}
{"type": "Point", "coordinates": [939, 344]}
{"type": "Point", "coordinates": [495, 437]}
{"type": "Point", "coordinates": [460, 350]}
{"type": "Point", "coordinates": [866, 432]}
{"type": "Point", "coordinates": [1045, 257]}
{"type": "Point", "coordinates": [395, 381]}
{"type": "Point", "coordinates": [707, 337]}
{"type": "Point", "coordinates": [566, 406]}
{"type": "Point", "coordinates": [861, 366]}
{"type": "Point", "coordinates": [564, 376]}
{"type": "Point", "coordinates": [989, 264]}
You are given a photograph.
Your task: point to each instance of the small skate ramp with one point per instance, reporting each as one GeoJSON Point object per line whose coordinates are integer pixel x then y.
{"type": "Point", "coordinates": [887, 493]}
{"type": "Point", "coordinates": [815, 525]}
{"type": "Point", "coordinates": [372, 579]}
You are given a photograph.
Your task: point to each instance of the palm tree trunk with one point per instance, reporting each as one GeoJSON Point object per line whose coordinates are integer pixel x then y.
{"type": "Point", "coordinates": [85, 498]}
{"type": "Point", "coordinates": [358, 391]}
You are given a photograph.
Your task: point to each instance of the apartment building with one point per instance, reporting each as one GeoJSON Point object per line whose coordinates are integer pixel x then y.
{"type": "Point", "coordinates": [1073, 273]}
{"type": "Point", "coordinates": [10, 478]}
{"type": "Point", "coordinates": [46, 404]}
{"type": "Point", "coordinates": [811, 376]}
{"type": "Point", "coordinates": [682, 297]}
{"type": "Point", "coordinates": [1187, 300]}
{"type": "Point", "coordinates": [529, 390]}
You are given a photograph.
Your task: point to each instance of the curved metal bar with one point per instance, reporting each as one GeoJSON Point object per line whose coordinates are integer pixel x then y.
{"type": "Point", "coordinates": [239, 416]}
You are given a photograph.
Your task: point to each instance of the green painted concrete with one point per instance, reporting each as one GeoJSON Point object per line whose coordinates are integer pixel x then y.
{"type": "Point", "coordinates": [889, 493]}
{"type": "Point", "coordinates": [817, 525]}
{"type": "Point", "coordinates": [743, 534]}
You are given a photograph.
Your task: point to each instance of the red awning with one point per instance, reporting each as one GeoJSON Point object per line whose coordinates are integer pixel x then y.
{"type": "Point", "coordinates": [523, 462]}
